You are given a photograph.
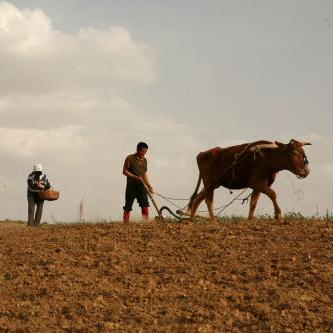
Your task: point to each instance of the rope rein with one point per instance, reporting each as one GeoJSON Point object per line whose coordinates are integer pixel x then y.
{"type": "Point", "coordinates": [168, 199]}
{"type": "Point", "coordinates": [233, 200]}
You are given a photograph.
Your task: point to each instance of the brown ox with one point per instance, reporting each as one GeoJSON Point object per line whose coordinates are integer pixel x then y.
{"type": "Point", "coordinates": [252, 165]}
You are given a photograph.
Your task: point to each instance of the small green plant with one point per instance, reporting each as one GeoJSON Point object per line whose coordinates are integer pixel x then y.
{"type": "Point", "coordinates": [231, 218]}
{"type": "Point", "coordinates": [294, 216]}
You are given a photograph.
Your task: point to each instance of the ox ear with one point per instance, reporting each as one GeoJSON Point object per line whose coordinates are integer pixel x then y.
{"type": "Point", "coordinates": [293, 141]}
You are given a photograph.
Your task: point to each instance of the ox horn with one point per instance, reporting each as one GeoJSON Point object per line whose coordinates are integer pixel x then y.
{"type": "Point", "coordinates": [292, 141]}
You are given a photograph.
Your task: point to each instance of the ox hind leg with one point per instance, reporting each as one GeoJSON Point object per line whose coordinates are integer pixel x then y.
{"type": "Point", "coordinates": [196, 202]}
{"type": "Point", "coordinates": [253, 203]}
{"type": "Point", "coordinates": [210, 205]}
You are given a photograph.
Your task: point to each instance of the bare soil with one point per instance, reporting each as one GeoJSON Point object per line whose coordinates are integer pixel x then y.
{"type": "Point", "coordinates": [261, 276]}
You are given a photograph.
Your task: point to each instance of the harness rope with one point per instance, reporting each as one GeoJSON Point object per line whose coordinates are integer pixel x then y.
{"type": "Point", "coordinates": [168, 199]}
{"type": "Point", "coordinates": [219, 209]}
{"type": "Point", "coordinates": [233, 200]}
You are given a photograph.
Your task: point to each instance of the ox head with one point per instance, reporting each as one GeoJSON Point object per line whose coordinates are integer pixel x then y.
{"type": "Point", "coordinates": [296, 157]}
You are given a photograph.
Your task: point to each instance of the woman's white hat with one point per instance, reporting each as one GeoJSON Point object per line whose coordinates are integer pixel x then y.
{"type": "Point", "coordinates": [38, 167]}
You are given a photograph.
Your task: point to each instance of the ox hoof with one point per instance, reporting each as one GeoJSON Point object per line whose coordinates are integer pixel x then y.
{"type": "Point", "coordinates": [278, 217]}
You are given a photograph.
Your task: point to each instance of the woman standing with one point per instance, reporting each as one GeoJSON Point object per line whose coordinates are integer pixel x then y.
{"type": "Point", "coordinates": [37, 181]}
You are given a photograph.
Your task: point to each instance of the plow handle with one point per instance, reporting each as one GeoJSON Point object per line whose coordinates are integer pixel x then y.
{"type": "Point", "coordinates": [153, 201]}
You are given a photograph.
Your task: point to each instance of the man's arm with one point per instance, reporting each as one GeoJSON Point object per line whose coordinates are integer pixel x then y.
{"type": "Point", "coordinates": [147, 182]}
{"type": "Point", "coordinates": [126, 171]}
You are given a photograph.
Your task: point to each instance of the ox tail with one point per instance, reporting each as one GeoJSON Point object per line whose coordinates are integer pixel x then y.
{"type": "Point", "coordinates": [193, 196]}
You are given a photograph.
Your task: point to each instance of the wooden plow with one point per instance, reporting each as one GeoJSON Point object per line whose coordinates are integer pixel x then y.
{"type": "Point", "coordinates": [179, 214]}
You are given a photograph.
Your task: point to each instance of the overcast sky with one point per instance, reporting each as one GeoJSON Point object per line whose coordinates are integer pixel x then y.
{"type": "Point", "coordinates": [83, 81]}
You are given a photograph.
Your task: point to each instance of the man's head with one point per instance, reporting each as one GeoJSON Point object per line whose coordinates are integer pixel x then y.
{"type": "Point", "coordinates": [141, 149]}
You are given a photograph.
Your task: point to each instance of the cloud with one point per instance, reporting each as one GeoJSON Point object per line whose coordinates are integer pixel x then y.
{"type": "Point", "coordinates": [36, 58]}
{"type": "Point", "coordinates": [31, 142]}
{"type": "Point", "coordinates": [63, 103]}
{"type": "Point", "coordinates": [23, 31]}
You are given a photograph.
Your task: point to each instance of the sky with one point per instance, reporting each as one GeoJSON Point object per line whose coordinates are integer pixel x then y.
{"type": "Point", "coordinates": [82, 82]}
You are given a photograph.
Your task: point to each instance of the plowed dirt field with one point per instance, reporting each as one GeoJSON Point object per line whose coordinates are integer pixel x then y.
{"type": "Point", "coordinates": [262, 276]}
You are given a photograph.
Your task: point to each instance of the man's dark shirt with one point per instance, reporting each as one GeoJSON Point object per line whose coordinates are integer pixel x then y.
{"type": "Point", "coordinates": [137, 166]}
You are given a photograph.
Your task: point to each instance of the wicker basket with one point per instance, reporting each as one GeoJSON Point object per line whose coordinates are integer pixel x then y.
{"type": "Point", "coordinates": [49, 195]}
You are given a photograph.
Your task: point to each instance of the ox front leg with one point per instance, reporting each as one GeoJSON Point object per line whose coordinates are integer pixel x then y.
{"type": "Point", "coordinates": [272, 195]}
{"type": "Point", "coordinates": [253, 203]}
{"type": "Point", "coordinates": [210, 205]}
{"type": "Point", "coordinates": [196, 202]}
